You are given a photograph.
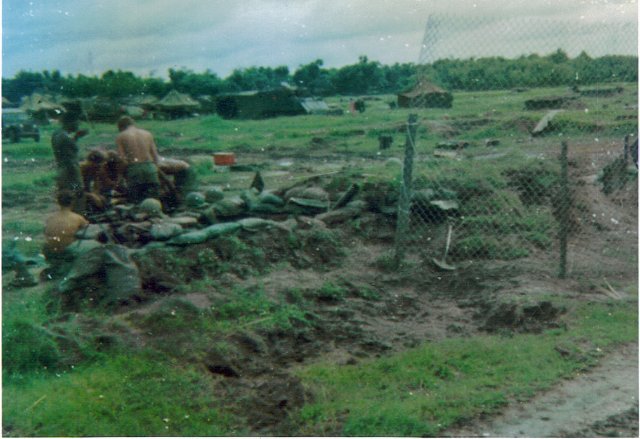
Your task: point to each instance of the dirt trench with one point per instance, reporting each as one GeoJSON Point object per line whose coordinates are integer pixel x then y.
{"type": "Point", "coordinates": [379, 312]}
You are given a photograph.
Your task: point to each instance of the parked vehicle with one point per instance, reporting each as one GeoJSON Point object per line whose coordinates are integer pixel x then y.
{"type": "Point", "coordinates": [17, 124]}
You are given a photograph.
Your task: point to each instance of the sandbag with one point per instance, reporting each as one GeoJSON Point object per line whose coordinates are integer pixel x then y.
{"type": "Point", "coordinates": [265, 209]}
{"type": "Point", "coordinates": [205, 234]}
{"type": "Point", "coordinates": [313, 193]}
{"type": "Point", "coordinates": [250, 198]}
{"type": "Point", "coordinates": [213, 194]}
{"type": "Point", "coordinates": [103, 276]}
{"type": "Point", "coordinates": [229, 207]}
{"type": "Point", "coordinates": [269, 198]}
{"type": "Point", "coordinates": [165, 230]}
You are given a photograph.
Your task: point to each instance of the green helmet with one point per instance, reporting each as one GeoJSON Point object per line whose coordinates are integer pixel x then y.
{"type": "Point", "coordinates": [151, 206]}
{"type": "Point", "coordinates": [194, 199]}
{"type": "Point", "coordinates": [213, 194]}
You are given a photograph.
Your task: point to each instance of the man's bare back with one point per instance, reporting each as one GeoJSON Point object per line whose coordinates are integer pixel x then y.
{"type": "Point", "coordinates": [60, 229]}
{"type": "Point", "coordinates": [136, 145]}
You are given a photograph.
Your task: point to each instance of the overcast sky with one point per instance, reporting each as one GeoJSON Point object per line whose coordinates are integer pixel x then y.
{"type": "Point", "coordinates": [148, 37]}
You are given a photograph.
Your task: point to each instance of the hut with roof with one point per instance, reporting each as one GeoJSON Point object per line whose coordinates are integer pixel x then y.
{"type": "Point", "coordinates": [41, 107]}
{"type": "Point", "coordinates": [259, 104]}
{"type": "Point", "coordinates": [175, 105]}
{"type": "Point", "coordinates": [425, 95]}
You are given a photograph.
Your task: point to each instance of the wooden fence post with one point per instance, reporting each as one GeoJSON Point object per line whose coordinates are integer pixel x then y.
{"type": "Point", "coordinates": [404, 202]}
{"type": "Point", "coordinates": [563, 209]}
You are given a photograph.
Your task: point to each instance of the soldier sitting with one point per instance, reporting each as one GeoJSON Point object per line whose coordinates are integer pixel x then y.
{"type": "Point", "coordinates": [59, 232]}
{"type": "Point", "coordinates": [102, 175]}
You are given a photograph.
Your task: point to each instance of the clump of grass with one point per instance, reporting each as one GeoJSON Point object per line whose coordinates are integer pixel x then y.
{"type": "Point", "coordinates": [423, 391]}
{"type": "Point", "coordinates": [330, 292]}
{"type": "Point", "coordinates": [386, 262]}
{"type": "Point", "coordinates": [136, 395]}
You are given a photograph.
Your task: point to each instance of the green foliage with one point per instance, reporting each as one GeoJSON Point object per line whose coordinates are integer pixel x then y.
{"type": "Point", "coordinates": [136, 395]}
{"type": "Point", "coordinates": [27, 346]}
{"type": "Point", "coordinates": [423, 391]}
{"type": "Point", "coordinates": [362, 77]}
{"type": "Point", "coordinates": [367, 294]}
{"type": "Point", "coordinates": [535, 182]}
{"type": "Point", "coordinates": [387, 262]}
{"type": "Point", "coordinates": [330, 292]}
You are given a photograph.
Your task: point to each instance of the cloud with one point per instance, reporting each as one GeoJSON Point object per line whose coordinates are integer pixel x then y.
{"type": "Point", "coordinates": [78, 36]}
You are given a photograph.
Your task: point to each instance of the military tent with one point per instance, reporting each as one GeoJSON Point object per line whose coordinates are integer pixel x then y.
{"type": "Point", "coordinates": [426, 95]}
{"type": "Point", "coordinates": [282, 101]}
{"type": "Point", "coordinates": [41, 107]}
{"type": "Point", "coordinates": [176, 104]}
{"type": "Point", "coordinates": [148, 102]}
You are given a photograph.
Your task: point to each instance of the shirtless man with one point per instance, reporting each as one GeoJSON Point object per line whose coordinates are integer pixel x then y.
{"type": "Point", "coordinates": [102, 175]}
{"type": "Point", "coordinates": [59, 232]}
{"type": "Point", "coordinates": [138, 150]}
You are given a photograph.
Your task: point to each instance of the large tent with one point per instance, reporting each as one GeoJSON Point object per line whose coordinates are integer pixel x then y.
{"type": "Point", "coordinates": [426, 95]}
{"type": "Point", "coordinates": [281, 101]}
{"type": "Point", "coordinates": [176, 104]}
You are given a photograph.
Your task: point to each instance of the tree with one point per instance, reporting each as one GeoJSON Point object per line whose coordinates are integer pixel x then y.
{"type": "Point", "coordinates": [314, 78]}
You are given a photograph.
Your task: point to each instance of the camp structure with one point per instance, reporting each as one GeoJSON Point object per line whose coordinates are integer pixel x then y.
{"type": "Point", "coordinates": [175, 105]}
{"type": "Point", "coordinates": [281, 101]}
{"type": "Point", "coordinates": [102, 109]}
{"type": "Point", "coordinates": [148, 102]}
{"type": "Point", "coordinates": [41, 107]}
{"type": "Point", "coordinates": [425, 95]}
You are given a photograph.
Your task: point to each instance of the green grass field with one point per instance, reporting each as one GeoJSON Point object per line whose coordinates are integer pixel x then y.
{"type": "Point", "coordinates": [77, 374]}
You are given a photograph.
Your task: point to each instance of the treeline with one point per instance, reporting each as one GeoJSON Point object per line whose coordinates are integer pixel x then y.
{"type": "Point", "coordinates": [363, 77]}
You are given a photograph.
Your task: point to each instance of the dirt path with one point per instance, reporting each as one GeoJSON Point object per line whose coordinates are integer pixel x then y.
{"type": "Point", "coordinates": [602, 401]}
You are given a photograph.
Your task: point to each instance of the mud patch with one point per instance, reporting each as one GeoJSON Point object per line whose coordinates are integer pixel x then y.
{"type": "Point", "coordinates": [521, 318]}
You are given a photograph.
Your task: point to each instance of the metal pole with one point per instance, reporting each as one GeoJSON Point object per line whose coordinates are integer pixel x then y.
{"type": "Point", "coordinates": [563, 209]}
{"type": "Point", "coordinates": [404, 202]}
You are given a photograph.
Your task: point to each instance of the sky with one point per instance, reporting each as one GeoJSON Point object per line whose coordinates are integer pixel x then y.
{"type": "Point", "coordinates": [148, 37]}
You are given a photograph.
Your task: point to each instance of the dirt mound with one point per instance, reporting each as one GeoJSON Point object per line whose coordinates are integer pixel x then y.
{"type": "Point", "coordinates": [521, 317]}
{"type": "Point", "coordinates": [166, 269]}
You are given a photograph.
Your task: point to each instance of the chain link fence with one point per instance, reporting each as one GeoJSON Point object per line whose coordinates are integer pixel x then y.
{"type": "Point", "coordinates": [542, 175]}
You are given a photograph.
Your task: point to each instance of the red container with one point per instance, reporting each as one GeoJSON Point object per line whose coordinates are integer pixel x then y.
{"type": "Point", "coordinates": [224, 158]}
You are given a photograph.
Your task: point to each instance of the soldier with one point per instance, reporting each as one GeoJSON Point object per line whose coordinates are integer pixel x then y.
{"type": "Point", "coordinates": [138, 150]}
{"type": "Point", "coordinates": [65, 152]}
{"type": "Point", "coordinates": [59, 232]}
{"type": "Point", "coordinates": [102, 175]}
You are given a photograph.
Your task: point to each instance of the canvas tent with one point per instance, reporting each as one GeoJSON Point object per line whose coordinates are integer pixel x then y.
{"type": "Point", "coordinates": [426, 95]}
{"type": "Point", "coordinates": [41, 107]}
{"type": "Point", "coordinates": [176, 104]}
{"type": "Point", "coordinates": [143, 101]}
{"type": "Point", "coordinates": [314, 106]}
{"type": "Point", "coordinates": [282, 101]}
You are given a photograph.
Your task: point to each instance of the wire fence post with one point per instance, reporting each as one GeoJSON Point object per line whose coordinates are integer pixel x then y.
{"type": "Point", "coordinates": [404, 202]}
{"type": "Point", "coordinates": [563, 209]}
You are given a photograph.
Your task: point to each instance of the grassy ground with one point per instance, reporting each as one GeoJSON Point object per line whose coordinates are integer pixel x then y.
{"type": "Point", "coordinates": [68, 375]}
{"type": "Point", "coordinates": [153, 392]}
{"type": "Point", "coordinates": [425, 390]}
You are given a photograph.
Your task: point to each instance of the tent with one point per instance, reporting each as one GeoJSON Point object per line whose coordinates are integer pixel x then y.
{"type": "Point", "coordinates": [426, 95]}
{"type": "Point", "coordinates": [282, 101]}
{"type": "Point", "coordinates": [41, 107]}
{"type": "Point", "coordinates": [176, 104]}
{"type": "Point", "coordinates": [148, 102]}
